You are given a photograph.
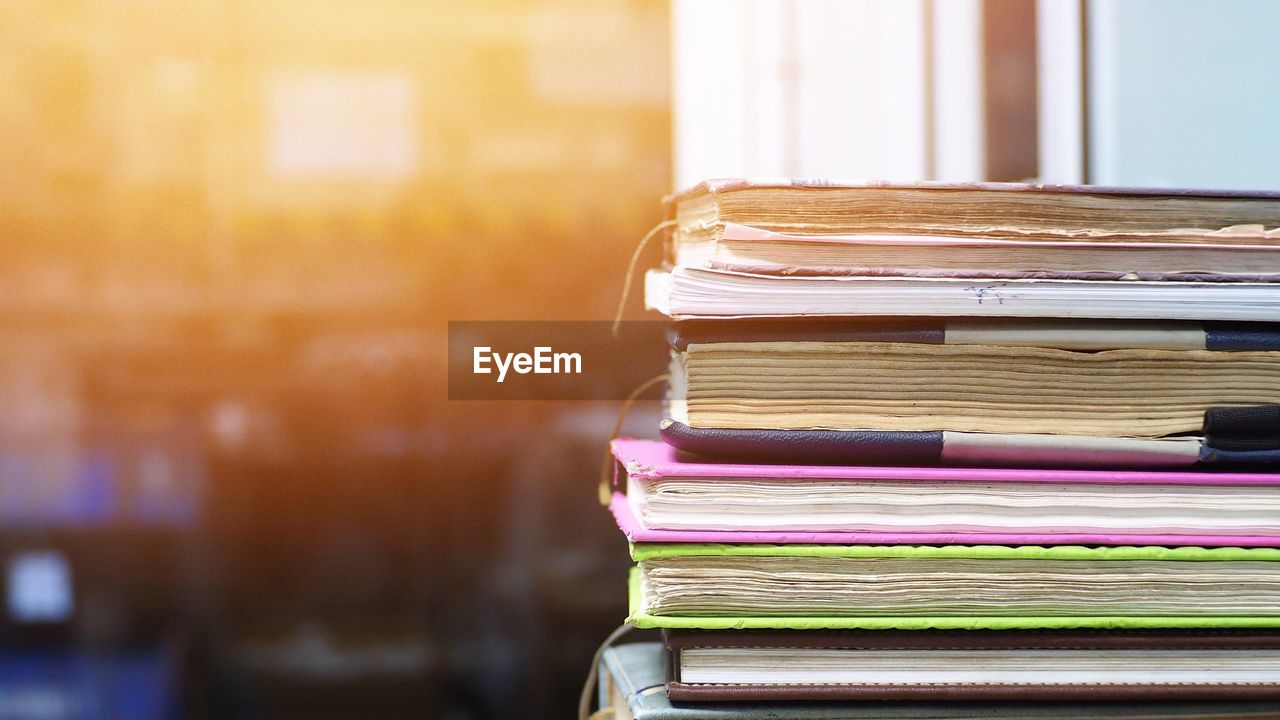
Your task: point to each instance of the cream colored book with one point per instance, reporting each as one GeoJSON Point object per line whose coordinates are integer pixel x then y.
{"type": "Point", "coordinates": [793, 385]}
{"type": "Point", "coordinates": [1005, 229]}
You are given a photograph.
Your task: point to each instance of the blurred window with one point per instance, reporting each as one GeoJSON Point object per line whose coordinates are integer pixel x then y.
{"type": "Point", "coordinates": [40, 587]}
{"type": "Point", "coordinates": [330, 124]}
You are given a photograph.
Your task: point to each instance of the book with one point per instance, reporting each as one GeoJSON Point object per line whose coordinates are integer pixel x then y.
{"type": "Point", "coordinates": [1234, 254]}
{"type": "Point", "coordinates": [967, 666]}
{"type": "Point", "coordinates": [991, 230]}
{"type": "Point", "coordinates": [916, 587]}
{"type": "Point", "coordinates": [684, 293]}
{"type": "Point", "coordinates": [661, 497]}
{"type": "Point", "coordinates": [802, 385]}
{"type": "Point", "coordinates": [1080, 379]}
{"type": "Point", "coordinates": [632, 679]}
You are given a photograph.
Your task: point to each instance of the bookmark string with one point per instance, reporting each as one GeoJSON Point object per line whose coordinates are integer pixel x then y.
{"type": "Point", "coordinates": [584, 700]}
{"type": "Point", "coordinates": [606, 472]}
{"type": "Point", "coordinates": [606, 467]}
{"type": "Point", "coordinates": [631, 271]}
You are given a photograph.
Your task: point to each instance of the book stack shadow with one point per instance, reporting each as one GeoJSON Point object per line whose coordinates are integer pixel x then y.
{"type": "Point", "coordinates": [958, 451]}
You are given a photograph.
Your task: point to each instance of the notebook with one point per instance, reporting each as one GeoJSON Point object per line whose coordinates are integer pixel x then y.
{"type": "Point", "coordinates": [1041, 392]}
{"type": "Point", "coordinates": [684, 293]}
{"type": "Point", "coordinates": [1234, 253]}
{"type": "Point", "coordinates": [989, 230]}
{"type": "Point", "coordinates": [752, 248]}
{"type": "Point", "coordinates": [915, 587]}
{"type": "Point", "coordinates": [1122, 392]}
{"type": "Point", "coordinates": [660, 497]}
{"type": "Point", "coordinates": [632, 680]}
{"type": "Point", "coordinates": [960, 665]}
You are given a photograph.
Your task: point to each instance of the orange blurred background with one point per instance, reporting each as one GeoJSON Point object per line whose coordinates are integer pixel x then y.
{"type": "Point", "coordinates": [232, 234]}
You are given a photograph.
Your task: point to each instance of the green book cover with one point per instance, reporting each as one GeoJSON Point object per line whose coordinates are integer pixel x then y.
{"type": "Point", "coordinates": [649, 551]}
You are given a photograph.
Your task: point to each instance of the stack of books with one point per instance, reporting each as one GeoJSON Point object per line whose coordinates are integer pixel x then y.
{"type": "Point", "coordinates": [931, 448]}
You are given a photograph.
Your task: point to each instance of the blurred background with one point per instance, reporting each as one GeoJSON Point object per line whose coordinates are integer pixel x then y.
{"type": "Point", "coordinates": [232, 234]}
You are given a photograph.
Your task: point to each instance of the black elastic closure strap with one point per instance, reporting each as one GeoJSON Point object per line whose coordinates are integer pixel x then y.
{"type": "Point", "coordinates": [1256, 427]}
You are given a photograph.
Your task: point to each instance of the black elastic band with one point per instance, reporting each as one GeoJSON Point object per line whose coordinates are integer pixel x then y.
{"type": "Point", "coordinates": [1255, 427]}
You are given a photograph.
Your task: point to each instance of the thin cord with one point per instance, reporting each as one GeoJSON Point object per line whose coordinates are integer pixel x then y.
{"type": "Point", "coordinates": [584, 700]}
{"type": "Point", "coordinates": [631, 271]}
{"type": "Point", "coordinates": [606, 468]}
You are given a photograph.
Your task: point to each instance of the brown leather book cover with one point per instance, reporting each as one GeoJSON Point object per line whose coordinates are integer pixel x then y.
{"type": "Point", "coordinates": [963, 645]}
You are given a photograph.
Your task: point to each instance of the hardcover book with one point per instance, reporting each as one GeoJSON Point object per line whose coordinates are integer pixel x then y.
{"type": "Point", "coordinates": [754, 248]}
{"type": "Point", "coordinates": [973, 587]}
{"type": "Point", "coordinates": [970, 391]}
{"type": "Point", "coordinates": [960, 665]}
{"type": "Point", "coordinates": [660, 497]}
{"type": "Point", "coordinates": [632, 684]}
{"type": "Point", "coordinates": [991, 230]}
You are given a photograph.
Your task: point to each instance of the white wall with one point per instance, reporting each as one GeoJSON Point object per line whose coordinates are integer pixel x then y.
{"type": "Point", "coordinates": [1184, 93]}
{"type": "Point", "coordinates": [820, 88]}
{"type": "Point", "coordinates": [1059, 92]}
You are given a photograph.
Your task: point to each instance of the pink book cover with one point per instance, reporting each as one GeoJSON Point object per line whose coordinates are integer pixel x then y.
{"type": "Point", "coordinates": [653, 459]}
